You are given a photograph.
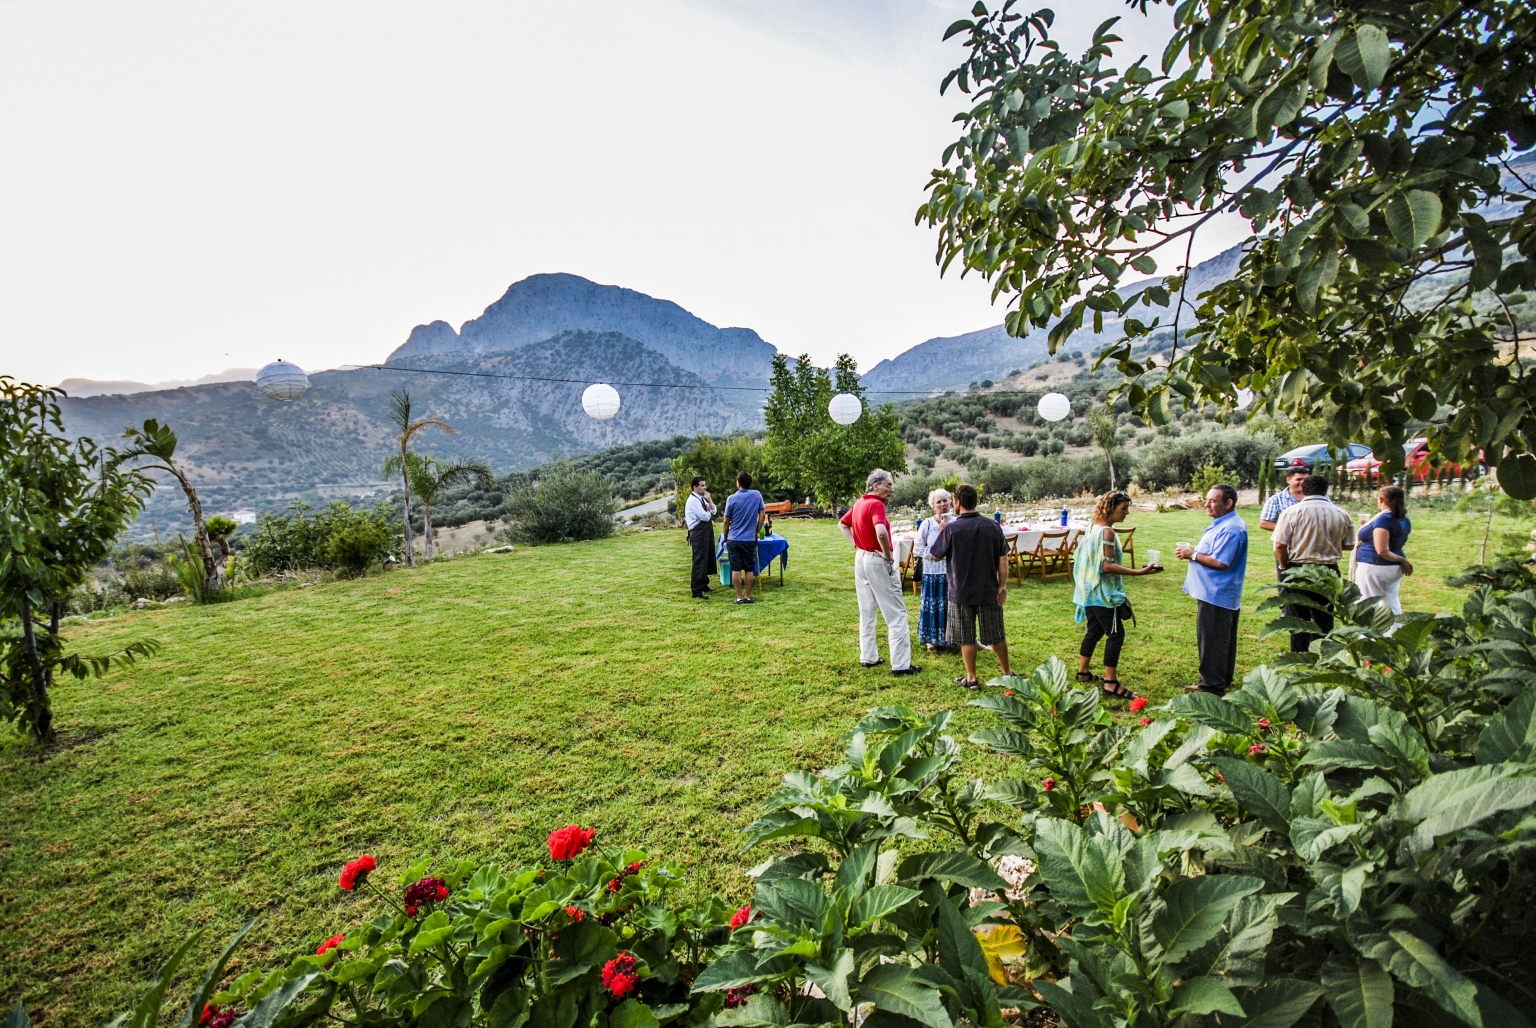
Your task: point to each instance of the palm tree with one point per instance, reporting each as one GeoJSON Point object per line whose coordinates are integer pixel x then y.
{"type": "Point", "coordinates": [1104, 429]}
{"type": "Point", "coordinates": [400, 463]}
{"type": "Point", "coordinates": [156, 444]}
{"type": "Point", "coordinates": [430, 477]}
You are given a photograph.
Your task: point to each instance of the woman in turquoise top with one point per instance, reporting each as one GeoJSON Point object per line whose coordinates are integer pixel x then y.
{"type": "Point", "coordinates": [1099, 595]}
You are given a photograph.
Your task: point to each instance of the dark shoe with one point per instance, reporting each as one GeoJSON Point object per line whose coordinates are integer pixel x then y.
{"type": "Point", "coordinates": [1088, 676]}
{"type": "Point", "coordinates": [910, 669]}
{"type": "Point", "coordinates": [700, 596]}
{"type": "Point", "coordinates": [1199, 687]}
{"type": "Point", "coordinates": [709, 588]}
{"type": "Point", "coordinates": [748, 599]}
{"type": "Point", "coordinates": [968, 683]}
{"type": "Point", "coordinates": [740, 600]}
{"type": "Point", "coordinates": [1115, 691]}
{"type": "Point", "coordinates": [873, 663]}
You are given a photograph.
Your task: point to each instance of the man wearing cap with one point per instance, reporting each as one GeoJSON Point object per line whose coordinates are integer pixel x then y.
{"type": "Point", "coordinates": [876, 578]}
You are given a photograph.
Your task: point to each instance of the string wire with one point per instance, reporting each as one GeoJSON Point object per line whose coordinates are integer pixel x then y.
{"type": "Point", "coordinates": [583, 381]}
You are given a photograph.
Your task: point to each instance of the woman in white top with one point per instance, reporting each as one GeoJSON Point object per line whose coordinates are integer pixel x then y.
{"type": "Point", "coordinates": [935, 612]}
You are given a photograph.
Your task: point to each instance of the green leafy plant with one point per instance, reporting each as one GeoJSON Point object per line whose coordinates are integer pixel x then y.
{"type": "Point", "coordinates": [407, 427]}
{"type": "Point", "coordinates": [1208, 476]}
{"type": "Point", "coordinates": [338, 537]}
{"type": "Point", "coordinates": [431, 479]}
{"type": "Point", "coordinates": [188, 568]}
{"type": "Point", "coordinates": [562, 506]}
{"type": "Point", "coordinates": [154, 449]}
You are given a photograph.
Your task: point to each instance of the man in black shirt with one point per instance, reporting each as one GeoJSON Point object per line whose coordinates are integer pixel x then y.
{"type": "Point", "coordinates": [978, 583]}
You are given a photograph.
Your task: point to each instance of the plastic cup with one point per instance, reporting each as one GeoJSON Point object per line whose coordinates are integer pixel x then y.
{"type": "Point", "coordinates": [1154, 557]}
{"type": "Point", "coordinates": [1183, 546]}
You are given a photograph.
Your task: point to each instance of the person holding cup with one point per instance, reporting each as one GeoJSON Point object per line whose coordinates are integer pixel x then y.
{"type": "Point", "coordinates": [1217, 566]}
{"type": "Point", "coordinates": [1097, 590]}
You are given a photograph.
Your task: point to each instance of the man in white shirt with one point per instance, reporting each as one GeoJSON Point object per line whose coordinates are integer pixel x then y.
{"type": "Point", "coordinates": [698, 516]}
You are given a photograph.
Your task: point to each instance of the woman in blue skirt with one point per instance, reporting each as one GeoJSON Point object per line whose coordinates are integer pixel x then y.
{"type": "Point", "coordinates": [935, 613]}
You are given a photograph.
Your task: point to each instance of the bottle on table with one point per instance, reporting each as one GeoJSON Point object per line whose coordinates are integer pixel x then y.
{"type": "Point", "coordinates": [1063, 517]}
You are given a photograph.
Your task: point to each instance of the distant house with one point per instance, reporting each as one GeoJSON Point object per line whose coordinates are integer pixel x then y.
{"type": "Point", "coordinates": [242, 517]}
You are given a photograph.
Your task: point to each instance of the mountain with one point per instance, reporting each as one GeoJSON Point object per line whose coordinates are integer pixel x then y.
{"type": "Point", "coordinates": [107, 387]}
{"type": "Point", "coordinates": [542, 306]}
{"type": "Point", "coordinates": [953, 362]}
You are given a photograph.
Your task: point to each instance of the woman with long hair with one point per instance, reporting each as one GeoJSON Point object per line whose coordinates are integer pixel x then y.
{"type": "Point", "coordinates": [1379, 561]}
{"type": "Point", "coordinates": [935, 611]}
{"type": "Point", "coordinates": [1099, 594]}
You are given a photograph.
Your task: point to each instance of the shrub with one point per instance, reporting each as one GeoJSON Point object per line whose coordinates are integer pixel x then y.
{"type": "Point", "coordinates": [1209, 476]}
{"type": "Point", "coordinates": [359, 543]}
{"type": "Point", "coordinates": [1170, 461]}
{"type": "Point", "coordinates": [563, 506]}
{"type": "Point", "coordinates": [299, 541]}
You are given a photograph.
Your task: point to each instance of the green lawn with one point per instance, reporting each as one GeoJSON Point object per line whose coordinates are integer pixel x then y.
{"type": "Point", "coordinates": [464, 709]}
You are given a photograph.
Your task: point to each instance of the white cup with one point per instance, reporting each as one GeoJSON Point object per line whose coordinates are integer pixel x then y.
{"type": "Point", "coordinates": [1154, 557]}
{"type": "Point", "coordinates": [1183, 546]}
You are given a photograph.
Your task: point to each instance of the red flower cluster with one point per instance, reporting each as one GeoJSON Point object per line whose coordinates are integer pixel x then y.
{"type": "Point", "coordinates": [621, 975]}
{"type": "Point", "coordinates": [1048, 784]}
{"type": "Point", "coordinates": [632, 868]}
{"type": "Point", "coordinates": [1264, 724]}
{"type": "Point", "coordinates": [1006, 692]}
{"type": "Point", "coordinates": [428, 890]}
{"type": "Point", "coordinates": [213, 1017]}
{"type": "Point", "coordinates": [1146, 721]}
{"type": "Point", "coordinates": [575, 913]}
{"type": "Point", "coordinates": [1138, 703]}
{"type": "Point", "coordinates": [742, 916]}
{"type": "Point", "coordinates": [567, 843]}
{"type": "Point", "coordinates": [738, 997]}
{"type": "Point", "coordinates": [330, 944]}
{"type": "Point", "coordinates": [356, 871]}
{"type": "Point", "coordinates": [1256, 749]}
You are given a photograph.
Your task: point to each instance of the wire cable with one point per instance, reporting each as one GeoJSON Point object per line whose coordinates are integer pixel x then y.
{"type": "Point", "coordinates": [584, 381]}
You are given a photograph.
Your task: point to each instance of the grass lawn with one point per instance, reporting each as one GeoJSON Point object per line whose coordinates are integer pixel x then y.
{"type": "Point", "coordinates": [464, 709]}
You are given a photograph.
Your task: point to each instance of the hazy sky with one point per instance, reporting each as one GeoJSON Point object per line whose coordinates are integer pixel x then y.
{"type": "Point", "coordinates": [190, 186]}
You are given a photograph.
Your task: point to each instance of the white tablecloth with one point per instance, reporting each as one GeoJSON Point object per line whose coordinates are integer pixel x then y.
{"type": "Point", "coordinates": [1028, 537]}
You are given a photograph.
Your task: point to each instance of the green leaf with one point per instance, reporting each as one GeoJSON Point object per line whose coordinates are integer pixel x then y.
{"type": "Point", "coordinates": [433, 930]}
{"type": "Point", "coordinates": [958, 947]}
{"type": "Point", "coordinates": [1212, 711]}
{"type": "Point", "coordinates": [1517, 476]}
{"type": "Point", "coordinates": [1257, 791]}
{"type": "Point", "coordinates": [1417, 963]}
{"type": "Point", "coordinates": [1404, 746]}
{"type": "Point", "coordinates": [1413, 217]}
{"type": "Point", "coordinates": [734, 970]}
{"type": "Point", "coordinates": [953, 866]}
{"type": "Point", "coordinates": [1145, 264]}
{"type": "Point", "coordinates": [1322, 60]}
{"type": "Point", "coordinates": [632, 1014]}
{"type": "Point", "coordinates": [581, 947]}
{"type": "Point", "coordinates": [275, 1003]}
{"type": "Point", "coordinates": [1085, 873]}
{"type": "Point", "coordinates": [894, 988]}
{"type": "Point", "coordinates": [210, 982]}
{"type": "Point", "coordinates": [833, 981]}
{"type": "Point", "coordinates": [1365, 55]}
{"type": "Point", "coordinates": [17, 1018]}
{"type": "Point", "coordinates": [1337, 753]}
{"type": "Point", "coordinates": [1352, 220]}
{"type": "Point", "coordinates": [1511, 735]}
{"type": "Point", "coordinates": [1205, 995]}
{"type": "Point", "coordinates": [1280, 1003]}
{"type": "Point", "coordinates": [1488, 257]}
{"type": "Point", "coordinates": [1458, 799]}
{"type": "Point", "coordinates": [1360, 991]}
{"type": "Point", "coordinates": [792, 901]}
{"type": "Point", "coordinates": [1195, 910]}
{"type": "Point", "coordinates": [147, 1013]}
{"type": "Point", "coordinates": [880, 901]}
{"type": "Point", "coordinates": [760, 1011]}
{"type": "Point", "coordinates": [853, 872]}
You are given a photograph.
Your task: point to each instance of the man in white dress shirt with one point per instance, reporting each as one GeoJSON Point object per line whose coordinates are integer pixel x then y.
{"type": "Point", "coordinates": [698, 516]}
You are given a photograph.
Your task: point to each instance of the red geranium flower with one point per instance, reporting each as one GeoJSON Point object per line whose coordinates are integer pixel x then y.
{"type": "Point", "coordinates": [1256, 749]}
{"type": "Point", "coordinates": [568, 842]}
{"type": "Point", "coordinates": [738, 997]}
{"type": "Point", "coordinates": [213, 1017]}
{"type": "Point", "coordinates": [632, 868]}
{"type": "Point", "coordinates": [1006, 692]}
{"type": "Point", "coordinates": [1138, 703]}
{"type": "Point", "coordinates": [1048, 784]}
{"type": "Point", "coordinates": [329, 944]}
{"type": "Point", "coordinates": [741, 917]}
{"type": "Point", "coordinates": [575, 913]}
{"type": "Point", "coordinates": [1146, 721]}
{"type": "Point", "coordinates": [620, 975]}
{"type": "Point", "coordinates": [428, 890]}
{"type": "Point", "coordinates": [356, 871]}
{"type": "Point", "coordinates": [1264, 724]}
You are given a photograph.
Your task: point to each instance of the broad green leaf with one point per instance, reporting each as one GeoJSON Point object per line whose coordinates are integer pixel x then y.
{"type": "Point", "coordinates": [1360, 991]}
{"type": "Point", "coordinates": [952, 866]}
{"type": "Point", "coordinates": [880, 901]}
{"type": "Point", "coordinates": [1280, 1003]}
{"type": "Point", "coordinates": [1517, 476]}
{"type": "Point", "coordinates": [999, 941]}
{"type": "Point", "coordinates": [1074, 1000]}
{"type": "Point", "coordinates": [1511, 735]}
{"type": "Point", "coordinates": [1193, 744]}
{"type": "Point", "coordinates": [957, 945]}
{"type": "Point", "coordinates": [433, 930]}
{"type": "Point", "coordinates": [793, 901]}
{"type": "Point", "coordinates": [210, 982]}
{"type": "Point", "coordinates": [275, 1003]}
{"type": "Point", "coordinates": [1413, 217]}
{"type": "Point", "coordinates": [1364, 55]}
{"type": "Point", "coordinates": [1337, 753]}
{"type": "Point", "coordinates": [833, 981]}
{"type": "Point", "coordinates": [894, 988]}
{"type": "Point", "coordinates": [759, 1011]}
{"type": "Point", "coordinates": [1404, 746]}
{"type": "Point", "coordinates": [1489, 259]}
{"type": "Point", "coordinates": [1214, 712]}
{"type": "Point", "coordinates": [632, 1014]}
{"type": "Point", "coordinates": [1205, 995]}
{"type": "Point", "coordinates": [17, 1018]}
{"type": "Point", "coordinates": [1257, 791]}
{"type": "Point", "coordinates": [1352, 220]}
{"type": "Point", "coordinates": [1421, 966]}
{"type": "Point", "coordinates": [1322, 60]}
{"type": "Point", "coordinates": [734, 970]}
{"type": "Point", "coordinates": [1195, 910]}
{"type": "Point", "coordinates": [853, 873]}
{"type": "Point", "coordinates": [1083, 872]}
{"type": "Point", "coordinates": [1457, 799]}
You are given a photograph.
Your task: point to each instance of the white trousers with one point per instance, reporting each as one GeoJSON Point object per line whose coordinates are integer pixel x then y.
{"type": "Point", "coordinates": [1382, 580]}
{"type": "Point", "coordinates": [878, 583]}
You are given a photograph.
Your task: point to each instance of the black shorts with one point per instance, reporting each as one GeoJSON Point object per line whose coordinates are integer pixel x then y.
{"type": "Point", "coordinates": [743, 554]}
{"type": "Point", "coordinates": [963, 620]}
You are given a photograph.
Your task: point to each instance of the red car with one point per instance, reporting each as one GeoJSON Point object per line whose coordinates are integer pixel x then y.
{"type": "Point", "coordinates": [1415, 459]}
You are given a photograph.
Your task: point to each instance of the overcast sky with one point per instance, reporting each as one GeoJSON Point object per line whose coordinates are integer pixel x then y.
{"type": "Point", "coordinates": [190, 186]}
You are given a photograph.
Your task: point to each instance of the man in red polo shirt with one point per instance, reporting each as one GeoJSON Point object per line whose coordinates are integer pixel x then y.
{"type": "Point", "coordinates": [876, 577]}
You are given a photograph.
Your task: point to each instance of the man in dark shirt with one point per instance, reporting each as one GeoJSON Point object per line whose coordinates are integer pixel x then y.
{"type": "Point", "coordinates": [978, 583]}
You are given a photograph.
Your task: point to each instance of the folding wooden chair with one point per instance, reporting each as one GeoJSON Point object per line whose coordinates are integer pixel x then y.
{"type": "Point", "coordinates": [1055, 554]}
{"type": "Point", "coordinates": [1127, 539]}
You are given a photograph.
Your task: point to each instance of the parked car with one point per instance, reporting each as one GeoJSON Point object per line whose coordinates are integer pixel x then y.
{"type": "Point", "coordinates": [1316, 458]}
{"type": "Point", "coordinates": [1415, 459]}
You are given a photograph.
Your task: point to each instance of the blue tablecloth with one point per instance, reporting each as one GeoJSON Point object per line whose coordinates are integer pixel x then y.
{"type": "Point", "coordinates": [768, 548]}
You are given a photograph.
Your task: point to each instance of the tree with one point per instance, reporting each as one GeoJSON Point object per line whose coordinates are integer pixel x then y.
{"type": "Point", "coordinates": [431, 477]}
{"type": "Point", "coordinates": [157, 443]}
{"type": "Point", "coordinates": [719, 462]}
{"type": "Point", "coordinates": [809, 451]}
{"type": "Point", "coordinates": [398, 463]}
{"type": "Point", "coordinates": [64, 504]}
{"type": "Point", "coordinates": [1366, 144]}
{"type": "Point", "coordinates": [562, 506]}
{"type": "Point", "coordinates": [1102, 423]}
{"type": "Point", "coordinates": [220, 531]}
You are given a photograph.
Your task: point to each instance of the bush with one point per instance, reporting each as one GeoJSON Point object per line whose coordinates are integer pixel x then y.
{"type": "Point", "coordinates": [359, 543]}
{"type": "Point", "coordinates": [1208, 476]}
{"type": "Point", "coordinates": [563, 506]}
{"type": "Point", "coordinates": [285, 543]}
{"type": "Point", "coordinates": [1169, 462]}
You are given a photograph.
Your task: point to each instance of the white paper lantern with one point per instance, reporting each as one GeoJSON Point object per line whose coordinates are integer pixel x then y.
{"type": "Point", "coordinates": [600, 401]}
{"type": "Point", "coordinates": [845, 408]}
{"type": "Point", "coordinates": [1054, 406]}
{"type": "Point", "coordinates": [1244, 398]}
{"type": "Point", "coordinates": [283, 381]}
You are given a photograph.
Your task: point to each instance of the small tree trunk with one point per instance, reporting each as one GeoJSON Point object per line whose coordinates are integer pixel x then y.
{"type": "Point", "coordinates": [213, 573]}
{"type": "Point", "coordinates": [1110, 460]}
{"type": "Point", "coordinates": [426, 530]}
{"type": "Point", "coordinates": [410, 559]}
{"type": "Point", "coordinates": [40, 710]}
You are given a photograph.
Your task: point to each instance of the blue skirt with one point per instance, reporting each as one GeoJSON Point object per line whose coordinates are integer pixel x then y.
{"type": "Point", "coordinates": [935, 613]}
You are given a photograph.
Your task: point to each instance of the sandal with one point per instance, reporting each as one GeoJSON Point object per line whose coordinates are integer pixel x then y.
{"type": "Point", "coordinates": [1089, 676]}
{"type": "Point", "coordinates": [968, 683]}
{"type": "Point", "coordinates": [1117, 691]}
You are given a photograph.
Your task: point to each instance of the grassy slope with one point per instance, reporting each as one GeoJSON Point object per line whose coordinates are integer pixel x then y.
{"type": "Point", "coordinates": [464, 709]}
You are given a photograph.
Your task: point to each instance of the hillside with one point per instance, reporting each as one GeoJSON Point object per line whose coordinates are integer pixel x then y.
{"type": "Point", "coordinates": [83, 387]}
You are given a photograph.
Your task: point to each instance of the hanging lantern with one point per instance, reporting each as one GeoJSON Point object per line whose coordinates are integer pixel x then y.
{"type": "Point", "coordinates": [845, 408]}
{"type": "Point", "coordinates": [1244, 398]}
{"type": "Point", "coordinates": [282, 381]}
{"type": "Point", "coordinates": [1054, 406]}
{"type": "Point", "coordinates": [600, 401]}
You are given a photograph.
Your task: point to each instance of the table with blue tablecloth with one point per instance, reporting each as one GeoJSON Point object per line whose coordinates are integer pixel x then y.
{"type": "Point", "coordinates": [769, 548]}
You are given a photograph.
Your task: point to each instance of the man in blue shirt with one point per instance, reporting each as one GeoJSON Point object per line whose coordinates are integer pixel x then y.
{"type": "Point", "coordinates": [1215, 579]}
{"type": "Point", "coordinates": [743, 517]}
